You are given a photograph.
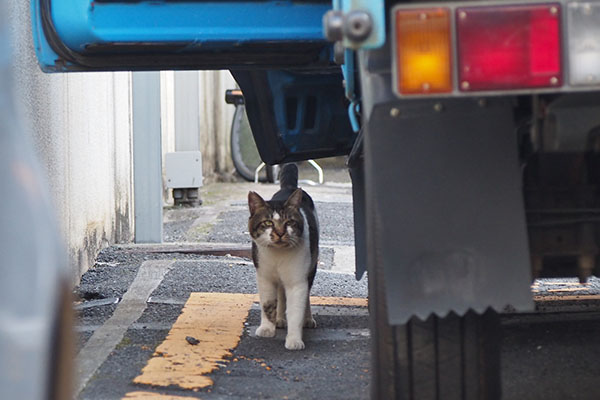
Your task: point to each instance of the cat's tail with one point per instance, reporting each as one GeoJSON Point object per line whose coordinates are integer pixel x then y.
{"type": "Point", "coordinates": [288, 176]}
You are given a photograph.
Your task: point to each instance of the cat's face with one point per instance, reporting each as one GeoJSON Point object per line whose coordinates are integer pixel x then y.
{"type": "Point", "coordinates": [273, 224]}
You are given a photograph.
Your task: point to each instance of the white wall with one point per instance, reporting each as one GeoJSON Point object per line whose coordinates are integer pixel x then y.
{"type": "Point", "coordinates": [81, 127]}
{"type": "Point", "coordinates": [215, 122]}
{"type": "Point", "coordinates": [214, 119]}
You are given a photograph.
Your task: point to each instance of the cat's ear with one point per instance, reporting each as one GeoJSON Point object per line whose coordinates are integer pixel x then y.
{"type": "Point", "coordinates": [255, 202]}
{"type": "Point", "coordinates": [295, 199]}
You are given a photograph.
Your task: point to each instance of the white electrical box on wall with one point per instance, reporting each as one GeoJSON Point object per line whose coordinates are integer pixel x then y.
{"type": "Point", "coordinates": [183, 169]}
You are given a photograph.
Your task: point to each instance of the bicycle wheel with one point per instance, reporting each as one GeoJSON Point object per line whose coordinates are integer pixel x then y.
{"type": "Point", "coordinates": [244, 153]}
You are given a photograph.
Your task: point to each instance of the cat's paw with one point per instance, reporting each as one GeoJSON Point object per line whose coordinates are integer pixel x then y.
{"type": "Point", "coordinates": [294, 344]}
{"type": "Point", "coordinates": [265, 331]}
{"type": "Point", "coordinates": [281, 323]}
{"type": "Point", "coordinates": [310, 323]}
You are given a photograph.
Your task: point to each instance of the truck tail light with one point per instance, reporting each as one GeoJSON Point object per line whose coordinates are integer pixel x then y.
{"type": "Point", "coordinates": [583, 26]}
{"type": "Point", "coordinates": [509, 47]}
{"type": "Point", "coordinates": [423, 51]}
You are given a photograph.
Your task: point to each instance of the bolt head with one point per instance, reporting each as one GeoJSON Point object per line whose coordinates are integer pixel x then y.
{"type": "Point", "coordinates": [333, 25]}
{"type": "Point", "coordinates": [358, 26]}
{"type": "Point", "coordinates": [339, 53]}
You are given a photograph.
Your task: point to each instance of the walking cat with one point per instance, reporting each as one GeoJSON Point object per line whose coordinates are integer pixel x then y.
{"type": "Point", "coordinates": [285, 248]}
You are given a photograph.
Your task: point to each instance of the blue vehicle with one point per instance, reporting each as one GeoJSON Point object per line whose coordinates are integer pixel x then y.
{"type": "Point", "coordinates": [472, 135]}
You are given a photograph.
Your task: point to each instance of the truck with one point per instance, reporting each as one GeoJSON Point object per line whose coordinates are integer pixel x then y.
{"type": "Point", "coordinates": [471, 130]}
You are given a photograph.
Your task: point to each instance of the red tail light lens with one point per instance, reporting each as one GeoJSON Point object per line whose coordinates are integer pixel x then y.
{"type": "Point", "coordinates": [509, 47]}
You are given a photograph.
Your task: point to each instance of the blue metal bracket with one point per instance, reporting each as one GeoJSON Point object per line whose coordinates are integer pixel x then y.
{"type": "Point", "coordinates": [376, 8]}
{"type": "Point", "coordinates": [348, 71]}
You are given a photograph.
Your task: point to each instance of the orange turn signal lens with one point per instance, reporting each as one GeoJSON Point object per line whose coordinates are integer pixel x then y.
{"type": "Point", "coordinates": [423, 51]}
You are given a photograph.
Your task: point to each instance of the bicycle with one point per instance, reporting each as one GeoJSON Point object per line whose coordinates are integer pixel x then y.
{"type": "Point", "coordinates": [244, 153]}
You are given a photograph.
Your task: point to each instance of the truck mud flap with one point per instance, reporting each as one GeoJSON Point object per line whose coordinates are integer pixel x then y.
{"type": "Point", "coordinates": [448, 223]}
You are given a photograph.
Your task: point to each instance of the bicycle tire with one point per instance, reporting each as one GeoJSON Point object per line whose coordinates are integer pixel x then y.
{"type": "Point", "coordinates": [244, 152]}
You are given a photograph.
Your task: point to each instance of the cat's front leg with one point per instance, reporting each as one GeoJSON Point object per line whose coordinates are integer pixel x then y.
{"type": "Point", "coordinates": [296, 305]}
{"type": "Point", "coordinates": [267, 291]}
{"type": "Point", "coordinates": [281, 305]}
{"type": "Point", "coordinates": [309, 321]}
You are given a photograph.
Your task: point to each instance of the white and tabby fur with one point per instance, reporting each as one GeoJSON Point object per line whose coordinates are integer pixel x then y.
{"type": "Point", "coordinates": [284, 270]}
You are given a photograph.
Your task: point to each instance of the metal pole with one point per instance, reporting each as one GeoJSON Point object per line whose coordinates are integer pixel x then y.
{"type": "Point", "coordinates": [147, 162]}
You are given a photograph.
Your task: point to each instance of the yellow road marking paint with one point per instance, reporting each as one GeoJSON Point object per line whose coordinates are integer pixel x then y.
{"type": "Point", "coordinates": [570, 289]}
{"type": "Point", "coordinates": [153, 396]}
{"type": "Point", "coordinates": [568, 298]}
{"type": "Point", "coordinates": [217, 321]}
{"type": "Point", "coordinates": [338, 301]}
{"type": "Point", "coordinates": [334, 301]}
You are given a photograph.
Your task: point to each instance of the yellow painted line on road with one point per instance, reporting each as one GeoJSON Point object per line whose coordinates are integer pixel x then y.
{"type": "Point", "coordinates": [216, 322]}
{"type": "Point", "coordinates": [153, 396]}
{"type": "Point", "coordinates": [339, 301]}
{"type": "Point", "coordinates": [334, 301]}
{"type": "Point", "coordinates": [567, 297]}
{"type": "Point", "coordinates": [570, 289]}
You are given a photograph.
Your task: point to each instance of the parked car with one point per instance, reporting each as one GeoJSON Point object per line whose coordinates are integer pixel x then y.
{"type": "Point", "coordinates": [35, 293]}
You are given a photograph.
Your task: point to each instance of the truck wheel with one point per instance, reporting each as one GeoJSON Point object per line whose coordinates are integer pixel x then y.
{"type": "Point", "coordinates": [439, 358]}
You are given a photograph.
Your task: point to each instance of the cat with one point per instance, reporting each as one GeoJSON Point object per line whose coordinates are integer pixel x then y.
{"type": "Point", "coordinates": [285, 250]}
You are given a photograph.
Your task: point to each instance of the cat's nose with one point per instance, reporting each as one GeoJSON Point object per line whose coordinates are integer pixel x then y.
{"type": "Point", "coordinates": [280, 234]}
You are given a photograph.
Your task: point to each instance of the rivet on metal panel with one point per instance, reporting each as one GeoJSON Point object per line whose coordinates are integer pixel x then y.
{"type": "Point", "coordinates": [554, 80]}
{"type": "Point", "coordinates": [358, 26]}
{"type": "Point", "coordinates": [465, 85]}
{"type": "Point", "coordinates": [394, 112]}
{"type": "Point", "coordinates": [553, 10]}
{"type": "Point", "coordinates": [438, 107]}
{"type": "Point", "coordinates": [333, 22]}
{"type": "Point", "coordinates": [339, 53]}
{"type": "Point", "coordinates": [462, 15]}
{"type": "Point", "coordinates": [482, 103]}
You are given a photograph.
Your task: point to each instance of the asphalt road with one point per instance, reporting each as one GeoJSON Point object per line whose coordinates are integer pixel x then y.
{"type": "Point", "coordinates": [138, 296]}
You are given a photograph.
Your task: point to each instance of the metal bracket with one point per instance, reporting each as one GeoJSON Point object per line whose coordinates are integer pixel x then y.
{"type": "Point", "coordinates": [313, 163]}
{"type": "Point", "coordinates": [357, 24]}
{"type": "Point", "coordinates": [257, 171]}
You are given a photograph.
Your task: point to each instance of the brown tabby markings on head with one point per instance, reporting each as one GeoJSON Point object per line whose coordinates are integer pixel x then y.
{"type": "Point", "coordinates": [284, 220]}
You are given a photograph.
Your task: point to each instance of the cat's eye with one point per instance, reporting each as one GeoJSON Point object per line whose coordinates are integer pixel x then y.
{"type": "Point", "coordinates": [291, 223]}
{"type": "Point", "coordinates": [267, 224]}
